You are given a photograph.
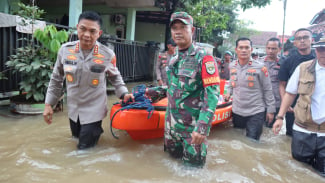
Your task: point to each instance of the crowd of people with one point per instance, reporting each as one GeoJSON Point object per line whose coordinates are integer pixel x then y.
{"type": "Point", "coordinates": [264, 90]}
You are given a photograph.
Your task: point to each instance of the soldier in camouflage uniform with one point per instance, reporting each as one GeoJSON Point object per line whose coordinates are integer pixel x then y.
{"type": "Point", "coordinates": [252, 91]}
{"type": "Point", "coordinates": [163, 62]}
{"type": "Point", "coordinates": [193, 91]}
{"type": "Point", "coordinates": [271, 60]}
{"type": "Point", "coordinates": [84, 64]}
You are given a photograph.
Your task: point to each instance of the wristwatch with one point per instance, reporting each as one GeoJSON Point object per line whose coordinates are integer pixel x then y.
{"type": "Point", "coordinates": [279, 117]}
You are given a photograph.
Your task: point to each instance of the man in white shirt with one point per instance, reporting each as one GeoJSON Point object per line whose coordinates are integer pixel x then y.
{"type": "Point", "coordinates": [308, 137]}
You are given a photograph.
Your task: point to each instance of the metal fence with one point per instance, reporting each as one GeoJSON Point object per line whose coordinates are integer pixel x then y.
{"type": "Point", "coordinates": [135, 60]}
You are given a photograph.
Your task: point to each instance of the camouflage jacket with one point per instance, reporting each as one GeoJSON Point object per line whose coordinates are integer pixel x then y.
{"type": "Point", "coordinates": [193, 91]}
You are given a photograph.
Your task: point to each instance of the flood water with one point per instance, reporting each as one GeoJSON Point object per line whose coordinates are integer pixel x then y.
{"type": "Point", "coordinates": [32, 151]}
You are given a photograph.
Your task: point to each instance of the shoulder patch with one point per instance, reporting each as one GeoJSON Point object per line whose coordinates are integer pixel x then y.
{"type": "Point", "coordinates": [210, 74]}
{"type": "Point", "coordinates": [264, 69]}
{"type": "Point", "coordinates": [113, 61]}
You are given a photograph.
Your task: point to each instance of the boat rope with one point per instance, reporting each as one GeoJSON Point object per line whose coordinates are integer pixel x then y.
{"type": "Point", "coordinates": [140, 102]}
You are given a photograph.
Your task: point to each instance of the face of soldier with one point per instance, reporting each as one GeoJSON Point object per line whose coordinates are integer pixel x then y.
{"type": "Point", "coordinates": [88, 33]}
{"type": "Point", "coordinates": [227, 57]}
{"type": "Point", "coordinates": [320, 53]}
{"type": "Point", "coordinates": [182, 34]}
{"type": "Point", "coordinates": [303, 40]}
{"type": "Point", "coordinates": [272, 50]}
{"type": "Point", "coordinates": [244, 50]}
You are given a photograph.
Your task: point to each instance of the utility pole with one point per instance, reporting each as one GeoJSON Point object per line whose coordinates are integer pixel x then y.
{"type": "Point", "coordinates": [284, 22]}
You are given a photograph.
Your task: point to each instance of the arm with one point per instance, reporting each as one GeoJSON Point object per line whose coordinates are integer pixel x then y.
{"type": "Point", "coordinates": [268, 94]}
{"type": "Point", "coordinates": [287, 100]}
{"type": "Point", "coordinates": [54, 90]}
{"type": "Point", "coordinates": [158, 73]}
{"type": "Point", "coordinates": [209, 97]}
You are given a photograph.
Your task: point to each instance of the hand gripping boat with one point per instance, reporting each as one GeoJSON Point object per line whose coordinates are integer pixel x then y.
{"type": "Point", "coordinates": [140, 125]}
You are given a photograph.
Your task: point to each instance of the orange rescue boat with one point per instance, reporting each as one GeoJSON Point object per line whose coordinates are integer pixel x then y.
{"type": "Point", "coordinates": [139, 126]}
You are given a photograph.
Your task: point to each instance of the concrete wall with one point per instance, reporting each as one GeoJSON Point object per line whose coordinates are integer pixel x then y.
{"type": "Point", "coordinates": [149, 32]}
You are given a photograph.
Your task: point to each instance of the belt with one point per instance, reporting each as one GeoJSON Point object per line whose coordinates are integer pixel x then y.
{"type": "Point", "coordinates": [314, 127]}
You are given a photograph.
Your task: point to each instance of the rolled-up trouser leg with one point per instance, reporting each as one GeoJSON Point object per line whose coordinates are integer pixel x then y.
{"type": "Point", "coordinates": [194, 155]}
{"type": "Point", "coordinates": [89, 134]}
{"type": "Point", "coordinates": [303, 147]}
{"type": "Point", "coordinates": [254, 126]}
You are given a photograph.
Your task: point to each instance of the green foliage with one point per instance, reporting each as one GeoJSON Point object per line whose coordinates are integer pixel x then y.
{"type": "Point", "coordinates": [35, 62]}
{"type": "Point", "coordinates": [29, 13]}
{"type": "Point", "coordinates": [51, 39]}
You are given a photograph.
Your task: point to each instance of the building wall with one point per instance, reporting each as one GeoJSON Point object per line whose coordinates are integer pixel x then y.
{"type": "Point", "coordinates": [149, 32]}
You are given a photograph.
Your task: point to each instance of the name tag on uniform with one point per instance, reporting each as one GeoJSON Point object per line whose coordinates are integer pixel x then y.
{"type": "Point", "coordinates": [70, 62]}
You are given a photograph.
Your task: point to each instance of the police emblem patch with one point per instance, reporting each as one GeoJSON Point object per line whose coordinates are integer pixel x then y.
{"type": "Point", "coordinates": [210, 67]}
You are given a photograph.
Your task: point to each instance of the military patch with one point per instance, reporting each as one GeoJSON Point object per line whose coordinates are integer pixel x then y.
{"type": "Point", "coordinates": [94, 82]}
{"type": "Point", "coordinates": [72, 57]}
{"type": "Point", "coordinates": [76, 50]}
{"type": "Point", "coordinates": [250, 84]}
{"type": "Point", "coordinates": [210, 68]}
{"type": "Point", "coordinates": [69, 78]}
{"type": "Point", "coordinates": [98, 61]}
{"type": "Point", "coordinates": [233, 70]}
{"type": "Point", "coordinates": [113, 61]}
{"type": "Point", "coordinates": [210, 74]}
{"type": "Point", "coordinates": [266, 73]}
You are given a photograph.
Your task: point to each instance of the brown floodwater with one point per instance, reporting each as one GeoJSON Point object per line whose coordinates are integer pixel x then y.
{"type": "Point", "coordinates": [32, 151]}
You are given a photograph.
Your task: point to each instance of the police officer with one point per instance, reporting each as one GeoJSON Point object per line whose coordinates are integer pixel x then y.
{"type": "Point", "coordinates": [224, 66]}
{"type": "Point", "coordinates": [252, 91]}
{"type": "Point", "coordinates": [163, 62]}
{"type": "Point", "coordinates": [271, 60]}
{"type": "Point", "coordinates": [193, 91]}
{"type": "Point", "coordinates": [84, 64]}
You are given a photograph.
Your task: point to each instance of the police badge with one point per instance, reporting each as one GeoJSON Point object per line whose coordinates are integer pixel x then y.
{"type": "Point", "coordinates": [210, 67]}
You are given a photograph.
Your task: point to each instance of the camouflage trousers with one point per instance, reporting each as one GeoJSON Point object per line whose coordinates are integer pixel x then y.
{"type": "Point", "coordinates": [178, 144]}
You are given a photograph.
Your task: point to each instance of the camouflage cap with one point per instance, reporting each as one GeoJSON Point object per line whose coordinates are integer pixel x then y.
{"type": "Point", "coordinates": [183, 17]}
{"type": "Point", "coordinates": [320, 43]}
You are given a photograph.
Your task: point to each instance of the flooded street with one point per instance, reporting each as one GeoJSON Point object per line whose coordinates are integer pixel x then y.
{"type": "Point", "coordinates": [32, 151]}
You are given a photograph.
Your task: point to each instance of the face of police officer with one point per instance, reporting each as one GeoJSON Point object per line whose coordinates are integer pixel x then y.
{"type": "Point", "coordinates": [320, 53]}
{"type": "Point", "coordinates": [88, 33]}
{"type": "Point", "coordinates": [244, 50]}
{"type": "Point", "coordinates": [303, 40]}
{"type": "Point", "coordinates": [272, 50]}
{"type": "Point", "coordinates": [171, 49]}
{"type": "Point", "coordinates": [182, 34]}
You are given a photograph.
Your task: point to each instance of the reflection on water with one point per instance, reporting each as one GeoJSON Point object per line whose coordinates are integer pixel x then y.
{"type": "Point", "coordinates": [32, 151]}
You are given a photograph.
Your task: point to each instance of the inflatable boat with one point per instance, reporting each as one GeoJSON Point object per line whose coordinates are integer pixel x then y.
{"type": "Point", "coordinates": [140, 125]}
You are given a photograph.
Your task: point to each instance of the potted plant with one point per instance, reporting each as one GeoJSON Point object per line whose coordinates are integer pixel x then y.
{"type": "Point", "coordinates": [34, 63]}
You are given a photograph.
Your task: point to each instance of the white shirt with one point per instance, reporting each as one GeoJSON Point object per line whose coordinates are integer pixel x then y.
{"type": "Point", "coordinates": [317, 98]}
